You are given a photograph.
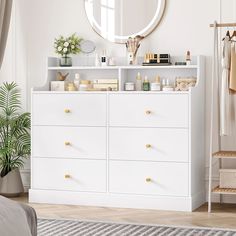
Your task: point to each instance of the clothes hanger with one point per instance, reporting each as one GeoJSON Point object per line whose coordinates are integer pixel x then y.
{"type": "Point", "coordinates": [233, 35]}
{"type": "Point", "coordinates": [227, 34]}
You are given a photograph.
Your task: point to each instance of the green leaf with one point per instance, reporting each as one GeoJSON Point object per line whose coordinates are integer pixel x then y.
{"type": "Point", "coordinates": [14, 129]}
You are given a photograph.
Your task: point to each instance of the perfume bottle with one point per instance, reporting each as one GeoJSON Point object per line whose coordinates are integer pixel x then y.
{"type": "Point", "coordinates": [188, 58]}
{"type": "Point", "coordinates": [77, 80]}
{"type": "Point", "coordinates": [146, 84]}
{"type": "Point", "coordinates": [104, 58]}
{"type": "Point", "coordinates": [138, 84]}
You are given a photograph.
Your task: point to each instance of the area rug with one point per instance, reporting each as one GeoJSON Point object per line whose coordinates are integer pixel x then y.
{"type": "Point", "coordinates": [49, 227]}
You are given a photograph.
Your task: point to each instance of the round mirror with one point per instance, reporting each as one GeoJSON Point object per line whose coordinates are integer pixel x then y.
{"type": "Point", "coordinates": [87, 46]}
{"type": "Point", "coordinates": [117, 20]}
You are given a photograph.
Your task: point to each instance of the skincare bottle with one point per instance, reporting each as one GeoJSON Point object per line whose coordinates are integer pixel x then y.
{"type": "Point", "coordinates": [188, 58]}
{"type": "Point", "coordinates": [167, 86]}
{"type": "Point", "coordinates": [146, 84]}
{"type": "Point", "coordinates": [97, 62]}
{"type": "Point", "coordinates": [77, 81]}
{"type": "Point", "coordinates": [104, 58]}
{"type": "Point", "coordinates": [163, 84]}
{"type": "Point", "coordinates": [156, 86]}
{"type": "Point", "coordinates": [138, 84]}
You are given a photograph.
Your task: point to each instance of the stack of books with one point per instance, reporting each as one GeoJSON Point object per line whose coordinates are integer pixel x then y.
{"type": "Point", "coordinates": [106, 84]}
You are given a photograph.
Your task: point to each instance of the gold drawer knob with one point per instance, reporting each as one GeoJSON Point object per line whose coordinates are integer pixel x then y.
{"type": "Point", "coordinates": [148, 180]}
{"type": "Point", "coordinates": [148, 112]}
{"type": "Point", "coordinates": [67, 143]}
{"type": "Point", "coordinates": [67, 176]}
{"type": "Point", "coordinates": [67, 110]}
{"type": "Point", "coordinates": [148, 145]}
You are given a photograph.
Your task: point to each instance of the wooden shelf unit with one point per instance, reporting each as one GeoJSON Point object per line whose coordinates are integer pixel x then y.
{"type": "Point", "coordinates": [224, 190]}
{"type": "Point", "coordinates": [225, 154]}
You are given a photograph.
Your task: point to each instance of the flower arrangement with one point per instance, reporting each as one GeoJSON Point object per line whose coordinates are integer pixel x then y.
{"type": "Point", "coordinates": [66, 46]}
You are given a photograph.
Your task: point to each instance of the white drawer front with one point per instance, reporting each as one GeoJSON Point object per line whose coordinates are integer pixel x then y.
{"type": "Point", "coordinates": [84, 175]}
{"type": "Point", "coordinates": [70, 142]}
{"type": "Point", "coordinates": [149, 144]}
{"type": "Point", "coordinates": [149, 110]}
{"type": "Point", "coordinates": [69, 109]}
{"type": "Point", "coordinates": [170, 179]}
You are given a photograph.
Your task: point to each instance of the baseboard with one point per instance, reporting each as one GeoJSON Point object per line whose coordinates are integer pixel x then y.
{"type": "Point", "coordinates": [198, 199]}
{"type": "Point", "coordinates": [113, 200]}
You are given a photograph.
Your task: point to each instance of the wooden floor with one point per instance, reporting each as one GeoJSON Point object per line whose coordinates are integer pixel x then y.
{"type": "Point", "coordinates": [223, 216]}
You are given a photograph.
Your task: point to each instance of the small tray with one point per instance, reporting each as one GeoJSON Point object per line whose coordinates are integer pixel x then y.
{"type": "Point", "coordinates": [156, 64]}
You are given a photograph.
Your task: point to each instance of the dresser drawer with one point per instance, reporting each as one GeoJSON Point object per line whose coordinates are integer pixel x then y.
{"type": "Point", "coordinates": [148, 110]}
{"type": "Point", "coordinates": [170, 179]}
{"type": "Point", "coordinates": [149, 144]}
{"type": "Point", "coordinates": [69, 109]}
{"type": "Point", "coordinates": [69, 142]}
{"type": "Point", "coordinates": [69, 175]}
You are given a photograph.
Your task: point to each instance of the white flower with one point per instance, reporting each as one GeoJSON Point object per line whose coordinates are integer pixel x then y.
{"type": "Point", "coordinates": [72, 46]}
{"type": "Point", "coordinates": [65, 50]}
{"type": "Point", "coordinates": [59, 49]}
{"type": "Point", "coordinates": [66, 44]}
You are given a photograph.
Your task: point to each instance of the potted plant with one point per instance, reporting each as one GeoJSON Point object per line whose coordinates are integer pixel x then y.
{"type": "Point", "coordinates": [14, 139]}
{"type": "Point", "coordinates": [67, 46]}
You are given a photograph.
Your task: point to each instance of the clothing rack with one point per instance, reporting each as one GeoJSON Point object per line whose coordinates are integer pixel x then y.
{"type": "Point", "coordinates": [221, 154]}
{"type": "Point", "coordinates": [223, 25]}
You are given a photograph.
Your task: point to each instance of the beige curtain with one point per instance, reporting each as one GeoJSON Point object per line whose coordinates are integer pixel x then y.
{"type": "Point", "coordinates": [5, 17]}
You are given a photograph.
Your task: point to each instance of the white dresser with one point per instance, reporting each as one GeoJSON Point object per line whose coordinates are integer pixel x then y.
{"type": "Point", "coordinates": [120, 149]}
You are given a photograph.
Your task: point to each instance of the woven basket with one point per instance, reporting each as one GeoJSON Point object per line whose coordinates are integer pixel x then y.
{"type": "Point", "coordinates": [183, 84]}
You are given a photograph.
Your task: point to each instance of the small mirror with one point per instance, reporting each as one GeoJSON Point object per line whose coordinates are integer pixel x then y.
{"type": "Point", "coordinates": [117, 20]}
{"type": "Point", "coordinates": [87, 46]}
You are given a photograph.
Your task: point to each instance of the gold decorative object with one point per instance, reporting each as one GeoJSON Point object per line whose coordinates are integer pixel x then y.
{"type": "Point", "coordinates": [61, 77]}
{"type": "Point", "coordinates": [67, 176]}
{"type": "Point", "coordinates": [67, 110]}
{"type": "Point", "coordinates": [67, 143]}
{"type": "Point", "coordinates": [148, 145]}
{"type": "Point", "coordinates": [71, 87]}
{"type": "Point", "coordinates": [148, 180]}
{"type": "Point", "coordinates": [183, 84]}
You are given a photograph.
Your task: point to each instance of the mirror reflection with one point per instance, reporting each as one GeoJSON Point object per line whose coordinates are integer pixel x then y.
{"type": "Point", "coordinates": [117, 20]}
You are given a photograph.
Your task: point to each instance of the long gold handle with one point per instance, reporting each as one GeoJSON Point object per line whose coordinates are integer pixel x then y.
{"type": "Point", "coordinates": [148, 145]}
{"type": "Point", "coordinates": [67, 176]}
{"type": "Point", "coordinates": [67, 111]}
{"type": "Point", "coordinates": [148, 180]}
{"type": "Point", "coordinates": [148, 112]}
{"type": "Point", "coordinates": [67, 143]}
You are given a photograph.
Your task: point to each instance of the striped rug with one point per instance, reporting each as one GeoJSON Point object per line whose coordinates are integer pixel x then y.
{"type": "Point", "coordinates": [49, 227]}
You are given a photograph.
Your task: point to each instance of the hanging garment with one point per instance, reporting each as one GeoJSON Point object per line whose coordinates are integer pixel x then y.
{"type": "Point", "coordinates": [224, 89]}
{"type": "Point", "coordinates": [232, 80]}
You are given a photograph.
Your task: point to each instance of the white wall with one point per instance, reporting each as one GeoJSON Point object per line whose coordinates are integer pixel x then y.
{"type": "Point", "coordinates": [185, 26]}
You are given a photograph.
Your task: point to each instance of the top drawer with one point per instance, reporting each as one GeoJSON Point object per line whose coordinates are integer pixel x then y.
{"type": "Point", "coordinates": [69, 109]}
{"type": "Point", "coordinates": [149, 110]}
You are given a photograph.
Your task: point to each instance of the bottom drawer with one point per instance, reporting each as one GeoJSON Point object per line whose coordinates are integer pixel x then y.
{"type": "Point", "coordinates": [227, 178]}
{"type": "Point", "coordinates": [69, 174]}
{"type": "Point", "coordinates": [170, 179]}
